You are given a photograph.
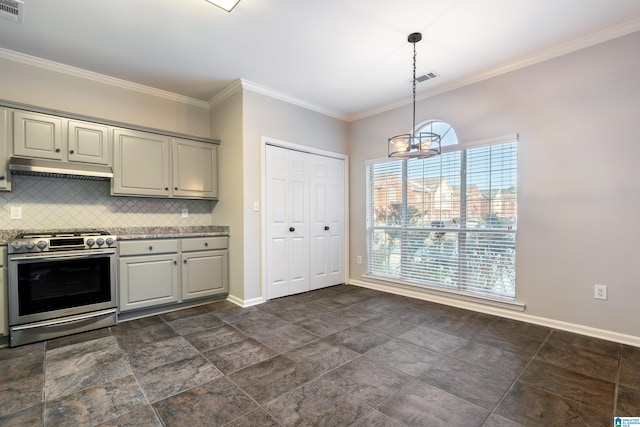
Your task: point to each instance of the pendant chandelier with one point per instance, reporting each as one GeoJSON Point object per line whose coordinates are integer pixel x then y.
{"type": "Point", "coordinates": [414, 145]}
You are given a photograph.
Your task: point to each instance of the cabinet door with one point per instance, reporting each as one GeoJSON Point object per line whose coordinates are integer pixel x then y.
{"type": "Point", "coordinates": [195, 169]}
{"type": "Point", "coordinates": [147, 281]}
{"type": "Point", "coordinates": [37, 135]}
{"type": "Point", "coordinates": [4, 309]}
{"type": "Point", "coordinates": [204, 273]}
{"type": "Point", "coordinates": [140, 164]}
{"type": "Point", "coordinates": [5, 176]}
{"type": "Point", "coordinates": [88, 143]}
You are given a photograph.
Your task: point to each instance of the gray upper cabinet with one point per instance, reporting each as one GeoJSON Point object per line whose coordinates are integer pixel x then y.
{"type": "Point", "coordinates": [140, 164]}
{"type": "Point", "coordinates": [5, 181]}
{"type": "Point", "coordinates": [44, 136]}
{"type": "Point", "coordinates": [37, 135]}
{"type": "Point", "coordinates": [151, 165]}
{"type": "Point", "coordinates": [195, 172]}
{"type": "Point", "coordinates": [88, 143]}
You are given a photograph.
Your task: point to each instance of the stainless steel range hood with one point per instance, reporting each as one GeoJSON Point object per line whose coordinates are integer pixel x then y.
{"type": "Point", "coordinates": [59, 169]}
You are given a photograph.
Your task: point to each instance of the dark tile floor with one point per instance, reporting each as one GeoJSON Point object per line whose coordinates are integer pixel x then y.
{"type": "Point", "coordinates": [341, 356]}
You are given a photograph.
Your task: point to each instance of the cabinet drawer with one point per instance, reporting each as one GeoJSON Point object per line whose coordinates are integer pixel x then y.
{"type": "Point", "coordinates": [144, 247]}
{"type": "Point", "coordinates": [204, 243]}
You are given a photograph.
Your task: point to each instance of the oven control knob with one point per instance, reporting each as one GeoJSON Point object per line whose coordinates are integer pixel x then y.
{"type": "Point", "coordinates": [16, 245]}
{"type": "Point", "coordinates": [100, 241]}
{"type": "Point", "coordinates": [41, 244]}
{"type": "Point", "coordinates": [29, 246]}
{"type": "Point", "coordinates": [109, 241]}
{"type": "Point", "coordinates": [90, 242]}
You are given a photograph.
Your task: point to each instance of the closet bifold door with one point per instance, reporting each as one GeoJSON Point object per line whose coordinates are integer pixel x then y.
{"type": "Point", "coordinates": [287, 222]}
{"type": "Point", "coordinates": [327, 221]}
{"type": "Point", "coordinates": [304, 221]}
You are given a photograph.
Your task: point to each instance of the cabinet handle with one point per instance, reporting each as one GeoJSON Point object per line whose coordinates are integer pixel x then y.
{"type": "Point", "coordinates": [185, 261]}
{"type": "Point", "coordinates": [57, 150]}
{"type": "Point", "coordinates": [2, 178]}
{"type": "Point", "coordinates": [326, 228]}
{"type": "Point", "coordinates": [175, 262]}
{"type": "Point", "coordinates": [70, 151]}
{"type": "Point", "coordinates": [175, 188]}
{"type": "Point", "coordinates": [292, 229]}
{"type": "Point", "coordinates": [166, 188]}
{"type": "Point", "coordinates": [150, 248]}
{"type": "Point", "coordinates": [206, 244]}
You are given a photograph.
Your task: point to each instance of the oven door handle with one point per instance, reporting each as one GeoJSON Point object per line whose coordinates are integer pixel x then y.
{"type": "Point", "coordinates": [50, 255]}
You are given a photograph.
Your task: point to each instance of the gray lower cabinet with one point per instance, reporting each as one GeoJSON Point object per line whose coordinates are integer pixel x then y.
{"type": "Point", "coordinates": [153, 272]}
{"type": "Point", "coordinates": [204, 267]}
{"type": "Point", "coordinates": [148, 273]}
{"type": "Point", "coordinates": [4, 313]}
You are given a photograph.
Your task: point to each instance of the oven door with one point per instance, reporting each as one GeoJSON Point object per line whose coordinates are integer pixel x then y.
{"type": "Point", "coordinates": [45, 286]}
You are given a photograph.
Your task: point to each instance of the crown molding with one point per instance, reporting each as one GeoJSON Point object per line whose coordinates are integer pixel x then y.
{"type": "Point", "coordinates": [541, 56]}
{"type": "Point", "coordinates": [271, 93]}
{"type": "Point", "coordinates": [234, 87]}
{"type": "Point", "coordinates": [97, 77]}
{"type": "Point", "coordinates": [263, 90]}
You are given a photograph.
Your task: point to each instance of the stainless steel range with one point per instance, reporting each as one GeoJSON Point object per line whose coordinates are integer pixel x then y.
{"type": "Point", "coordinates": [60, 284]}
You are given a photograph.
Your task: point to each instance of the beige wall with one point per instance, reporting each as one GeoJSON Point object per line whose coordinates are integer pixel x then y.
{"type": "Point", "coordinates": [33, 85]}
{"type": "Point", "coordinates": [226, 125]}
{"type": "Point", "coordinates": [64, 203]}
{"type": "Point", "coordinates": [578, 177]}
{"type": "Point", "coordinates": [269, 117]}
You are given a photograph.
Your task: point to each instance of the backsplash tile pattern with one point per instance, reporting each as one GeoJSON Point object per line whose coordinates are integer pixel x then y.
{"type": "Point", "coordinates": [52, 203]}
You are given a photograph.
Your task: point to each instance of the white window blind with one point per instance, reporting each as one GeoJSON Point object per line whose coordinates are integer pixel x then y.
{"type": "Point", "coordinates": [448, 221]}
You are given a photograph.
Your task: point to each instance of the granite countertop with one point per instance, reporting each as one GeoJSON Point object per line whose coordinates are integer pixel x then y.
{"type": "Point", "coordinates": [134, 233]}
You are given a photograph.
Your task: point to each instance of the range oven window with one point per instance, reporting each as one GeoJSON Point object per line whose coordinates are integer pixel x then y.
{"type": "Point", "coordinates": [53, 285]}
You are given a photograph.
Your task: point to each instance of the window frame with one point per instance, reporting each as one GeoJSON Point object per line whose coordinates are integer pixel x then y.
{"type": "Point", "coordinates": [404, 227]}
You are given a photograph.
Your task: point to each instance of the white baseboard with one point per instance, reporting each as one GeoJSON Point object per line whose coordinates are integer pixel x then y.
{"type": "Point", "coordinates": [497, 311]}
{"type": "Point", "coordinates": [245, 303]}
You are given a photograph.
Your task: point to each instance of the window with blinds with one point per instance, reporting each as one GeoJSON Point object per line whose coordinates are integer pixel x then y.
{"type": "Point", "coordinates": [448, 221]}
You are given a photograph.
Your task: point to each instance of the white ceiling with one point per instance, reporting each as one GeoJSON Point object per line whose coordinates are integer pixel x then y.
{"type": "Point", "coordinates": [348, 58]}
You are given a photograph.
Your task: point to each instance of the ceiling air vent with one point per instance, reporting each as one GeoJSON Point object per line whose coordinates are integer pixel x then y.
{"type": "Point", "coordinates": [427, 76]}
{"type": "Point", "coordinates": [13, 10]}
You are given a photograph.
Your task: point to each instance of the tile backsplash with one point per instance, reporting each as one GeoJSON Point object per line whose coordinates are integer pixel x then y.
{"type": "Point", "coordinates": [53, 203]}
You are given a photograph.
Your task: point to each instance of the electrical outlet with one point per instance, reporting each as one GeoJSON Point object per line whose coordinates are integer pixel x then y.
{"type": "Point", "coordinates": [185, 213]}
{"type": "Point", "coordinates": [16, 212]}
{"type": "Point", "coordinates": [359, 259]}
{"type": "Point", "coordinates": [600, 291]}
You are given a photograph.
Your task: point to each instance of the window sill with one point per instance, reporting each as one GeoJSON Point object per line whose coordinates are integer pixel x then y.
{"type": "Point", "coordinates": [448, 293]}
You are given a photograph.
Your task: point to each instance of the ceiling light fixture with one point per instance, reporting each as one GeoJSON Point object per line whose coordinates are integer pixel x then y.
{"type": "Point", "coordinates": [227, 5]}
{"type": "Point", "coordinates": [414, 145]}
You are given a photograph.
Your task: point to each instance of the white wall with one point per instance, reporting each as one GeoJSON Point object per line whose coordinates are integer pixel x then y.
{"type": "Point", "coordinates": [579, 194]}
